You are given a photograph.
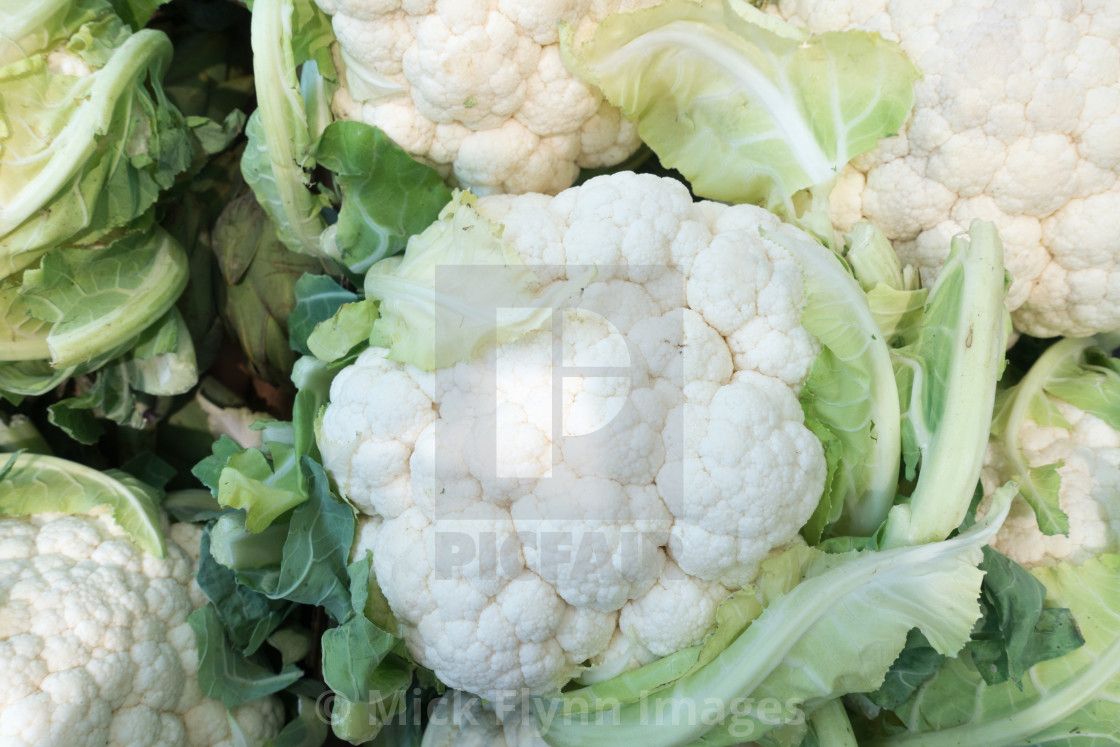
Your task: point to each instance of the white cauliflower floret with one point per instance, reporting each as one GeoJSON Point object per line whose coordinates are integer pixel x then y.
{"type": "Point", "coordinates": [679, 608]}
{"type": "Point", "coordinates": [529, 507]}
{"type": "Point", "coordinates": [95, 648]}
{"type": "Point", "coordinates": [1089, 493]}
{"type": "Point", "coordinates": [478, 90]}
{"type": "Point", "coordinates": [1016, 121]}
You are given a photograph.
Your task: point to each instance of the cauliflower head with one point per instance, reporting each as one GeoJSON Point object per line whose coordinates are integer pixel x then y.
{"type": "Point", "coordinates": [1088, 452]}
{"type": "Point", "coordinates": [478, 90]}
{"type": "Point", "coordinates": [1057, 435]}
{"type": "Point", "coordinates": [592, 489]}
{"type": "Point", "coordinates": [1016, 121]}
{"type": "Point", "coordinates": [95, 648]}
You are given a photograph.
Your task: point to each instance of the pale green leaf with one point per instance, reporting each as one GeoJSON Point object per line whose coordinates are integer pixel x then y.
{"type": "Point", "coordinates": [947, 381]}
{"type": "Point", "coordinates": [278, 155]}
{"type": "Point", "coordinates": [1089, 378]}
{"type": "Point", "coordinates": [99, 301]}
{"type": "Point", "coordinates": [36, 483]}
{"type": "Point", "coordinates": [748, 108]}
{"type": "Point", "coordinates": [894, 294]}
{"type": "Point", "coordinates": [1040, 490]}
{"type": "Point", "coordinates": [351, 325]}
{"type": "Point", "coordinates": [458, 287]}
{"type": "Point", "coordinates": [851, 388]}
{"type": "Point", "coordinates": [836, 631]}
{"type": "Point", "coordinates": [84, 156]}
{"type": "Point", "coordinates": [244, 483]}
{"type": "Point", "coordinates": [23, 336]}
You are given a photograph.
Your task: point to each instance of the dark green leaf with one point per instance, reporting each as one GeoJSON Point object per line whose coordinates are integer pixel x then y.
{"type": "Point", "coordinates": [150, 469]}
{"type": "Point", "coordinates": [1013, 633]}
{"type": "Point", "coordinates": [312, 568]}
{"type": "Point", "coordinates": [238, 235]}
{"type": "Point", "coordinates": [318, 546]}
{"type": "Point", "coordinates": [191, 505]}
{"type": "Point", "coordinates": [314, 381]}
{"type": "Point", "coordinates": [318, 297]}
{"type": "Point", "coordinates": [354, 653]}
{"type": "Point", "coordinates": [227, 675]}
{"type": "Point", "coordinates": [1055, 635]}
{"type": "Point", "coordinates": [261, 276]}
{"type": "Point", "coordinates": [214, 136]}
{"type": "Point", "coordinates": [307, 729]}
{"type": "Point", "coordinates": [247, 616]}
{"type": "Point", "coordinates": [403, 729]}
{"type": "Point", "coordinates": [136, 12]}
{"type": "Point", "coordinates": [188, 220]}
{"type": "Point", "coordinates": [76, 421]}
{"type": "Point", "coordinates": [917, 663]}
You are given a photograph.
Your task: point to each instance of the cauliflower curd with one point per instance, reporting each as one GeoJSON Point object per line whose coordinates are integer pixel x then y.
{"type": "Point", "coordinates": [95, 648]}
{"type": "Point", "coordinates": [590, 491]}
{"type": "Point", "coordinates": [1088, 453]}
{"type": "Point", "coordinates": [478, 89]}
{"type": "Point", "coordinates": [1058, 437]}
{"type": "Point", "coordinates": [1016, 121]}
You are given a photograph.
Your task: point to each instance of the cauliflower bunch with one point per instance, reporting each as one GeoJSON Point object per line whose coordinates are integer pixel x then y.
{"type": "Point", "coordinates": [1016, 121]}
{"type": "Point", "coordinates": [590, 490]}
{"type": "Point", "coordinates": [95, 648]}
{"type": "Point", "coordinates": [478, 89]}
{"type": "Point", "coordinates": [1059, 437]}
